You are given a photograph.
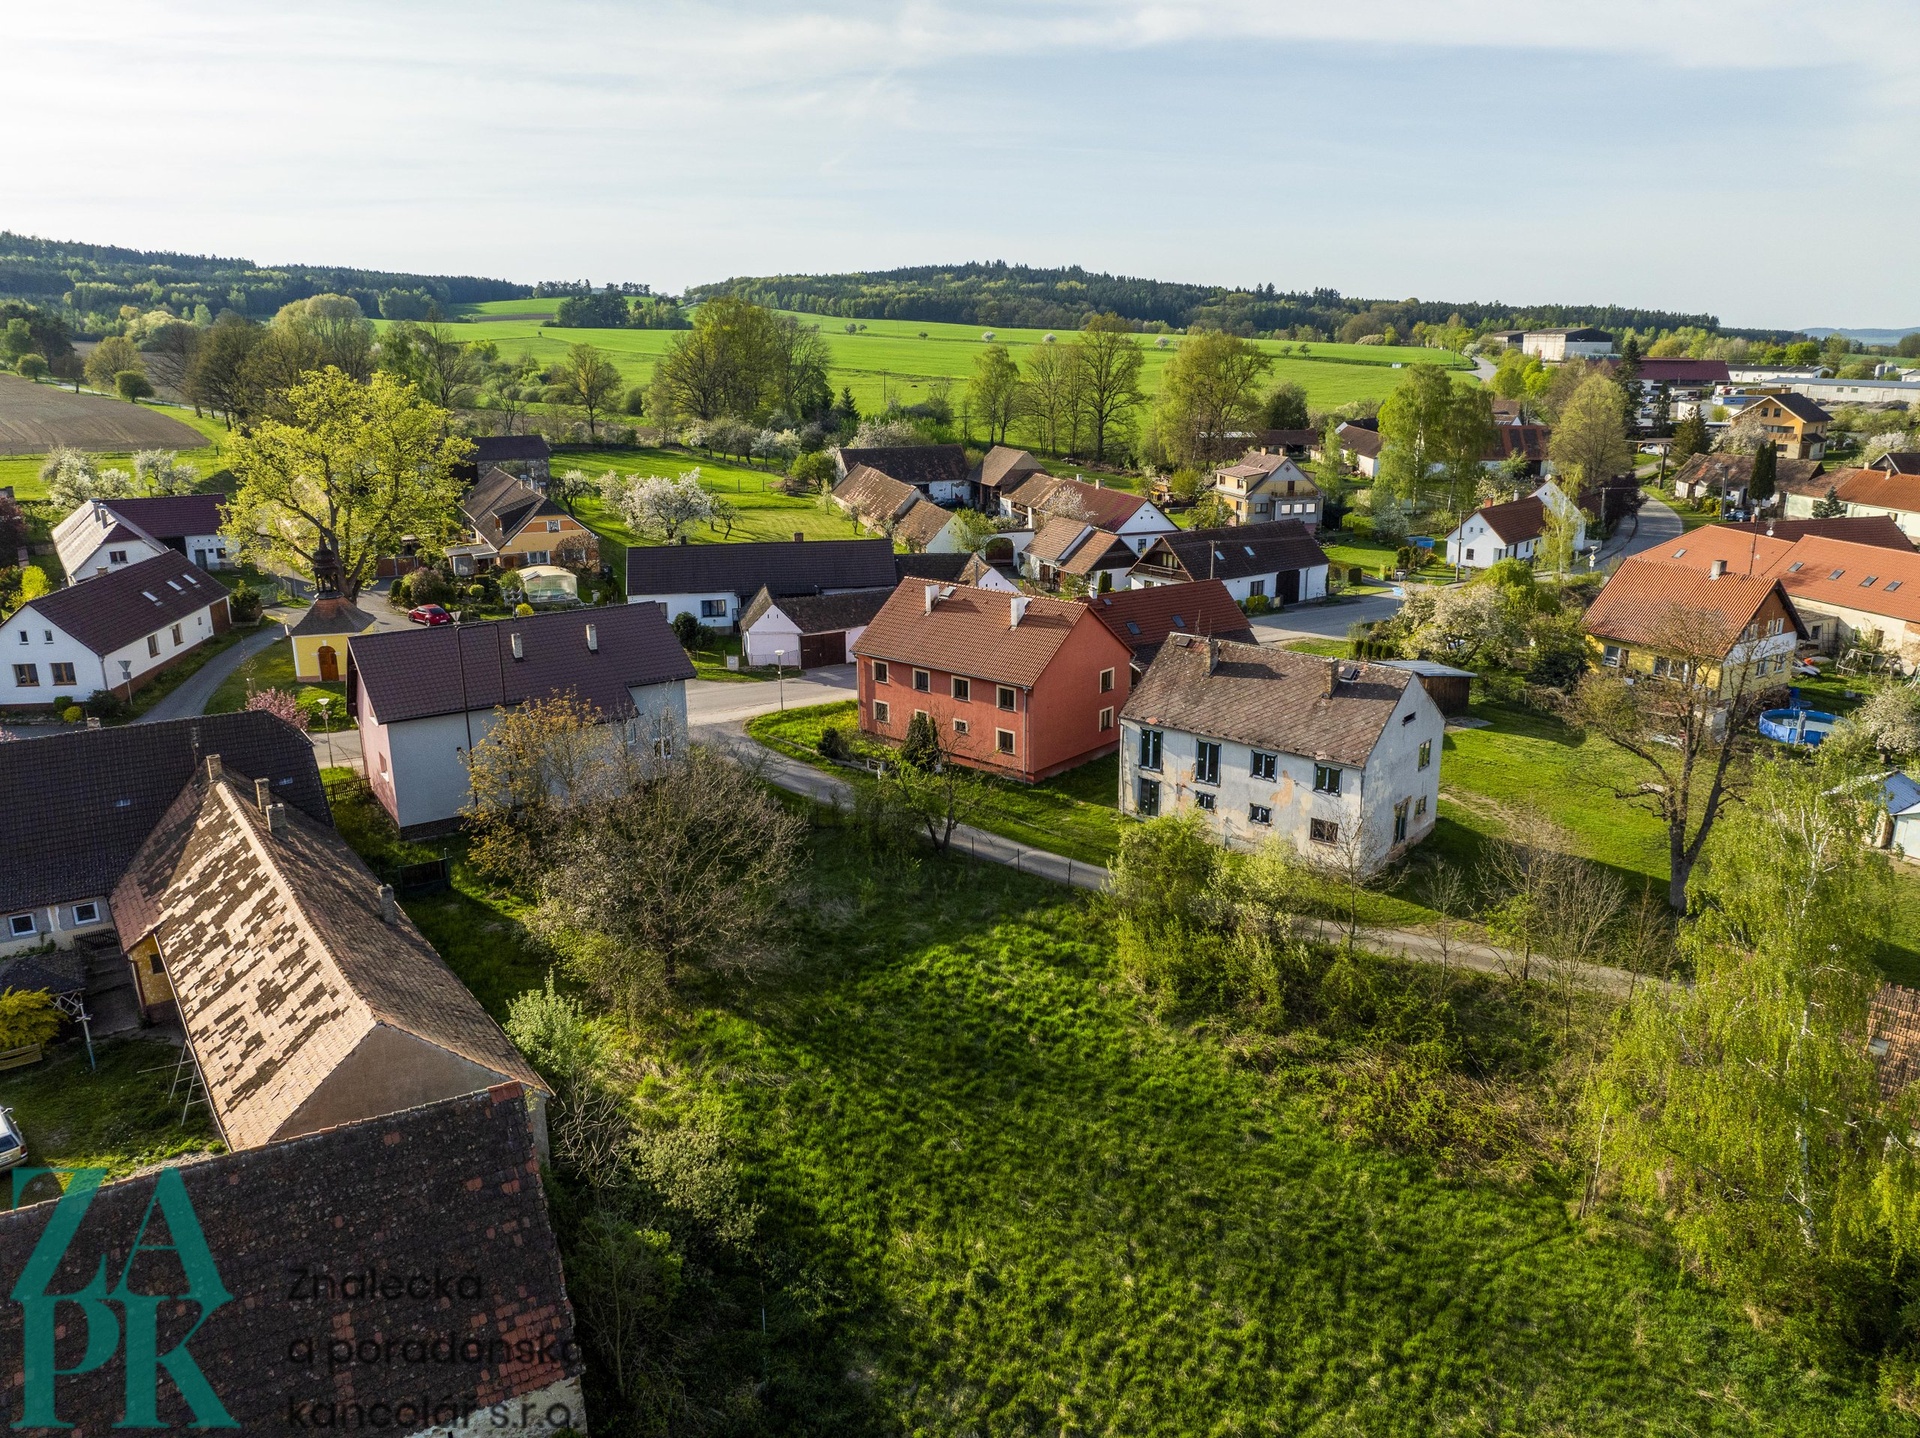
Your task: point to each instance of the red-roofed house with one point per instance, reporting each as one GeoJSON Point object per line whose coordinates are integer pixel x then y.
{"type": "Point", "coordinates": [1020, 686]}
{"type": "Point", "coordinates": [1512, 530]}
{"type": "Point", "coordinates": [1038, 496]}
{"type": "Point", "coordinates": [1142, 619]}
{"type": "Point", "coordinates": [1676, 604]}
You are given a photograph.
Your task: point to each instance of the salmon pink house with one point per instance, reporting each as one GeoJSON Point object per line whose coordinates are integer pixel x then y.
{"type": "Point", "coordinates": [1020, 686]}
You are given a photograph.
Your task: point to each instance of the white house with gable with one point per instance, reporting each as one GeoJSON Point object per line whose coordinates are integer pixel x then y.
{"type": "Point", "coordinates": [1513, 530]}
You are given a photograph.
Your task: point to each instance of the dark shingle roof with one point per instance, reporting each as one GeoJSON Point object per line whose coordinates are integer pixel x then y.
{"type": "Point", "coordinates": [1238, 550]}
{"type": "Point", "coordinates": [1898, 461]}
{"type": "Point", "coordinates": [1142, 618]}
{"type": "Point", "coordinates": [1361, 441]}
{"type": "Point", "coordinates": [784, 566]}
{"type": "Point", "coordinates": [492, 448]}
{"type": "Point", "coordinates": [919, 465]}
{"type": "Point", "coordinates": [122, 605]}
{"type": "Point", "coordinates": [80, 803]}
{"type": "Point", "coordinates": [416, 673]}
{"type": "Point", "coordinates": [172, 516]}
{"type": "Point", "coordinates": [930, 566]}
{"type": "Point", "coordinates": [820, 613]}
{"type": "Point", "coordinates": [1269, 698]}
{"type": "Point", "coordinates": [1800, 407]}
{"type": "Point", "coordinates": [332, 614]}
{"type": "Point", "coordinates": [1882, 531]}
{"type": "Point", "coordinates": [1528, 441]}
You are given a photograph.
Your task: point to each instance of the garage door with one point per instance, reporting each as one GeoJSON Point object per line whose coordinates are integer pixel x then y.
{"type": "Point", "coordinates": [818, 649]}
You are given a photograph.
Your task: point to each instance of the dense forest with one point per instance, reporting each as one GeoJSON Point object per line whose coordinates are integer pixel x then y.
{"type": "Point", "coordinates": [96, 280]}
{"type": "Point", "coordinates": [1015, 295]}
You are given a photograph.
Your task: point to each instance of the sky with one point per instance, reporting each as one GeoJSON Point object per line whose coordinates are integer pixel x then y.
{"type": "Point", "coordinates": [1757, 162]}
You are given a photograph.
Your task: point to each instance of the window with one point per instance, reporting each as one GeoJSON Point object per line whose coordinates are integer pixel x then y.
{"type": "Point", "coordinates": [177, 640]}
{"type": "Point", "coordinates": [1003, 740]}
{"type": "Point", "coordinates": [1106, 681]}
{"type": "Point", "coordinates": [383, 764]}
{"type": "Point", "coordinates": [46, 636]}
{"type": "Point", "coordinates": [26, 676]}
{"type": "Point", "coordinates": [1265, 766]}
{"type": "Point", "coordinates": [1469, 556]}
{"type": "Point", "coordinates": [1893, 584]}
{"type": "Point", "coordinates": [1150, 745]}
{"type": "Point", "coordinates": [713, 609]}
{"type": "Point", "coordinates": [1106, 720]}
{"type": "Point", "coordinates": [960, 727]}
{"type": "Point", "coordinates": [1867, 583]}
{"type": "Point", "coordinates": [963, 690]}
{"type": "Point", "coordinates": [882, 712]}
{"type": "Point", "coordinates": [153, 646]}
{"type": "Point", "coordinates": [86, 913]}
{"type": "Point", "coordinates": [1003, 697]}
{"type": "Point", "coordinates": [1323, 831]}
{"type": "Point", "coordinates": [1406, 719]}
{"type": "Point", "coordinates": [1420, 807]}
{"type": "Point", "coordinates": [1796, 566]}
{"type": "Point", "coordinates": [1613, 656]}
{"type": "Point", "coordinates": [922, 682]}
{"type": "Point", "coordinates": [553, 526]}
{"type": "Point", "coordinates": [22, 926]}
{"type": "Point", "coordinates": [879, 672]}
{"type": "Point", "coordinates": [1205, 801]}
{"type": "Point", "coordinates": [1326, 779]}
{"type": "Point", "coordinates": [1259, 814]}
{"type": "Point", "coordinates": [1400, 820]}
{"type": "Point", "coordinates": [1259, 586]}
{"type": "Point", "coordinates": [1147, 798]}
{"type": "Point", "coordinates": [1426, 752]}
{"type": "Point", "coordinates": [535, 556]}
{"type": "Point", "coordinates": [62, 673]}
{"type": "Point", "coordinates": [1206, 763]}
{"type": "Point", "coordinates": [154, 965]}
{"type": "Point", "coordinates": [1836, 574]}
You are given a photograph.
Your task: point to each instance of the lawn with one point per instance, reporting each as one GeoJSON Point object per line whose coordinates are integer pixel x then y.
{"type": "Point", "coordinates": [888, 360]}
{"type": "Point", "coordinates": [998, 1198]}
{"type": "Point", "coordinates": [273, 669]}
{"type": "Point", "coordinates": [1075, 813]}
{"type": "Point", "coordinates": [117, 1117]}
{"type": "Point", "coordinates": [22, 471]}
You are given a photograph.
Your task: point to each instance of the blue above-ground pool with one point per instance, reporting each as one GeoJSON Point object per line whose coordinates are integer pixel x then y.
{"type": "Point", "coordinates": [1797, 726]}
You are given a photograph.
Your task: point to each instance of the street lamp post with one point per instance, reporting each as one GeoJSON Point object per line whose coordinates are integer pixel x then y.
{"type": "Point", "coordinates": [328, 727]}
{"type": "Point", "coordinates": [780, 675]}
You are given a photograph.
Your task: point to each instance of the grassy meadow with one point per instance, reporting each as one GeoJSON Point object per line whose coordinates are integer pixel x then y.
{"type": "Point", "coordinates": [22, 471]}
{"type": "Point", "coordinates": [891, 360]}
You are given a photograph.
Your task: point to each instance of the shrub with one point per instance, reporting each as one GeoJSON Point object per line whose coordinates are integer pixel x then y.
{"type": "Point", "coordinates": [33, 583]}
{"type": "Point", "coordinates": [523, 610]}
{"type": "Point", "coordinates": [244, 602]}
{"type": "Point", "coordinates": [833, 743]}
{"type": "Point", "coordinates": [1257, 604]}
{"type": "Point", "coordinates": [281, 703]}
{"type": "Point", "coordinates": [33, 367]}
{"type": "Point", "coordinates": [429, 586]}
{"type": "Point", "coordinates": [72, 714]}
{"type": "Point", "coordinates": [105, 704]}
{"type": "Point", "coordinates": [636, 401]}
{"type": "Point", "coordinates": [132, 386]}
{"type": "Point", "coordinates": [686, 629]}
{"type": "Point", "coordinates": [814, 471]}
{"type": "Point", "coordinates": [921, 747]}
{"type": "Point", "coordinates": [27, 1016]}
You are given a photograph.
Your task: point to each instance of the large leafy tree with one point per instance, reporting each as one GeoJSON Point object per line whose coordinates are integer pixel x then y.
{"type": "Point", "coordinates": [719, 366]}
{"type": "Point", "coordinates": [589, 380]}
{"type": "Point", "coordinates": [1431, 424]}
{"type": "Point", "coordinates": [1589, 441]}
{"type": "Point", "coordinates": [1110, 360]}
{"type": "Point", "coordinates": [996, 391]}
{"type": "Point", "coordinates": [353, 470]}
{"type": "Point", "coordinates": [1210, 393]}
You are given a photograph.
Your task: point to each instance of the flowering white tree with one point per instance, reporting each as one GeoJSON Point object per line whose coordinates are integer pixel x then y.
{"type": "Point", "coordinates": [665, 507]}
{"type": "Point", "coordinates": [776, 446]}
{"type": "Point", "coordinates": [887, 434]}
{"type": "Point", "coordinates": [159, 471]}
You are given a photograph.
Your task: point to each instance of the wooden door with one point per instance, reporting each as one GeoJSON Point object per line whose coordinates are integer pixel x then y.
{"type": "Point", "coordinates": [329, 664]}
{"type": "Point", "coordinates": [818, 649]}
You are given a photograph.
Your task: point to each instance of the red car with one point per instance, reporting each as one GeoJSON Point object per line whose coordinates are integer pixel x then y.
{"type": "Point", "coordinates": [429, 614]}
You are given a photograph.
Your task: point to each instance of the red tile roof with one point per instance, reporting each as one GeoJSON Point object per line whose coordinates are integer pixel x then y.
{"type": "Point", "coordinates": [1651, 603]}
{"type": "Point", "coordinates": [971, 631]}
{"type": "Point", "coordinates": [1142, 618]}
{"type": "Point", "coordinates": [1517, 520]}
{"type": "Point", "coordinates": [1878, 488]}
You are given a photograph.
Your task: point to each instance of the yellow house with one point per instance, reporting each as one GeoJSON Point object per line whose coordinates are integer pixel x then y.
{"type": "Point", "coordinates": [320, 639]}
{"type": "Point", "coordinates": [1796, 425]}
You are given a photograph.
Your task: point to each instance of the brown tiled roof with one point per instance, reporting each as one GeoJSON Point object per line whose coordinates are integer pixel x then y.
{"type": "Point", "coordinates": [784, 566]}
{"type": "Point", "coordinates": [1142, 618]}
{"type": "Point", "coordinates": [1270, 698]}
{"type": "Point", "coordinates": [874, 496]}
{"type": "Point", "coordinates": [1878, 488]}
{"type": "Point", "coordinates": [1029, 487]}
{"type": "Point", "coordinates": [501, 504]}
{"type": "Point", "coordinates": [820, 613]}
{"type": "Point", "coordinates": [1517, 520]}
{"type": "Point", "coordinates": [1361, 441]}
{"type": "Point", "coordinates": [1286, 438]}
{"type": "Point", "coordinates": [1100, 550]}
{"type": "Point", "coordinates": [438, 1194]}
{"type": "Point", "coordinates": [417, 673]}
{"type": "Point", "coordinates": [1047, 494]}
{"type": "Point", "coordinates": [1715, 470]}
{"type": "Point", "coordinates": [1882, 530]}
{"type": "Point", "coordinates": [919, 465]}
{"type": "Point", "coordinates": [1647, 601]}
{"type": "Point", "coordinates": [1508, 411]}
{"type": "Point", "coordinates": [1057, 538]}
{"type": "Point", "coordinates": [922, 523]}
{"type": "Point", "coordinates": [1801, 476]}
{"type": "Point", "coordinates": [1832, 571]}
{"type": "Point", "coordinates": [1893, 1037]}
{"type": "Point", "coordinates": [1002, 463]}
{"type": "Point", "coordinates": [80, 802]}
{"type": "Point", "coordinates": [977, 567]}
{"type": "Point", "coordinates": [286, 974]}
{"type": "Point", "coordinates": [332, 614]}
{"type": "Point", "coordinates": [1255, 462]}
{"type": "Point", "coordinates": [123, 605]}
{"type": "Point", "coordinates": [1745, 550]}
{"type": "Point", "coordinates": [971, 632]}
{"type": "Point", "coordinates": [1238, 550]}
{"type": "Point", "coordinates": [172, 516]}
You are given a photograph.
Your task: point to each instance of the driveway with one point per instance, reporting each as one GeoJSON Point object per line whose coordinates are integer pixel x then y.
{"type": "Point", "coordinates": [1325, 621]}
{"type": "Point", "coordinates": [191, 698]}
{"type": "Point", "coordinates": [1653, 524]}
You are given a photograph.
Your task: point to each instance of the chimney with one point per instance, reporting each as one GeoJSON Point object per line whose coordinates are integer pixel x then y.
{"type": "Point", "coordinates": [519, 650]}
{"type": "Point", "coordinates": [389, 908]}
{"type": "Point", "coordinates": [1099, 483]}
{"type": "Point", "coordinates": [1018, 607]}
{"type": "Point", "coordinates": [1213, 654]}
{"type": "Point", "coordinates": [262, 794]}
{"type": "Point", "coordinates": [1333, 678]}
{"type": "Point", "coordinates": [932, 595]}
{"type": "Point", "coordinates": [1719, 568]}
{"type": "Point", "coordinates": [593, 639]}
{"type": "Point", "coordinates": [99, 571]}
{"type": "Point", "coordinates": [277, 820]}
{"type": "Point", "coordinates": [215, 770]}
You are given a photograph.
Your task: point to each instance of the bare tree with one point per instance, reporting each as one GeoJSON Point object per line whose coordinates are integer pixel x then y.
{"type": "Point", "coordinates": [1347, 867]}
{"type": "Point", "coordinates": [936, 791]}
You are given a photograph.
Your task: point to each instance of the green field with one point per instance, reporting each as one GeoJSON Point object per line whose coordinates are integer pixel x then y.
{"type": "Point", "coordinates": [22, 471]}
{"type": "Point", "coordinates": [888, 359]}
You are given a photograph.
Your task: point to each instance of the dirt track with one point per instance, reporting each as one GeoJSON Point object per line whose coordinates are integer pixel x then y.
{"type": "Point", "coordinates": [34, 418]}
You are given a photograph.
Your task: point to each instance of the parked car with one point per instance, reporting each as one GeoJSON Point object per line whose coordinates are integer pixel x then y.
{"type": "Point", "coordinates": [13, 1144]}
{"type": "Point", "coordinates": [429, 614]}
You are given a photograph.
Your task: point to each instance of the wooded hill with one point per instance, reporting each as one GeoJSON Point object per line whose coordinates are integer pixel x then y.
{"type": "Point", "coordinates": [1015, 295]}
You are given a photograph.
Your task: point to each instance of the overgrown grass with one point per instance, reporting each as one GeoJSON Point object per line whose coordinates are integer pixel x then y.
{"type": "Point", "coordinates": [118, 1117]}
{"type": "Point", "coordinates": [1076, 813]}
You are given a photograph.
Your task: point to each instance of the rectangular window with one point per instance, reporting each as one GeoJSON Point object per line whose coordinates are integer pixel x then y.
{"type": "Point", "coordinates": [1106, 720]}
{"type": "Point", "coordinates": [963, 690]}
{"type": "Point", "coordinates": [1205, 801]}
{"type": "Point", "coordinates": [1613, 656]}
{"type": "Point", "coordinates": [879, 672]}
{"type": "Point", "coordinates": [1265, 766]}
{"type": "Point", "coordinates": [153, 646]}
{"type": "Point", "coordinates": [1323, 831]}
{"type": "Point", "coordinates": [26, 676]}
{"type": "Point", "coordinates": [1003, 740]}
{"type": "Point", "coordinates": [922, 682]}
{"type": "Point", "coordinates": [21, 926]}
{"type": "Point", "coordinates": [1003, 697]}
{"type": "Point", "coordinates": [553, 526]}
{"type": "Point", "coordinates": [1257, 587]}
{"type": "Point", "coordinates": [1426, 752]}
{"type": "Point", "coordinates": [713, 609]}
{"type": "Point", "coordinates": [1469, 556]}
{"type": "Point", "coordinates": [1259, 814]}
{"type": "Point", "coordinates": [1150, 744]}
{"type": "Point", "coordinates": [1420, 807]}
{"type": "Point", "coordinates": [1400, 821]}
{"type": "Point", "coordinates": [1106, 681]}
{"type": "Point", "coordinates": [1148, 798]}
{"type": "Point", "coordinates": [960, 726]}
{"type": "Point", "coordinates": [116, 556]}
{"type": "Point", "coordinates": [177, 640]}
{"type": "Point", "coordinates": [882, 712]}
{"type": "Point", "coordinates": [1206, 763]}
{"type": "Point", "coordinates": [1326, 779]}
{"type": "Point", "coordinates": [383, 764]}
{"type": "Point", "coordinates": [86, 913]}
{"type": "Point", "coordinates": [62, 673]}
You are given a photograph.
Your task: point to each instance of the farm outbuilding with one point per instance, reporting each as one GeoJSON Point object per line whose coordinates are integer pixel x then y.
{"type": "Point", "coordinates": [1446, 686]}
